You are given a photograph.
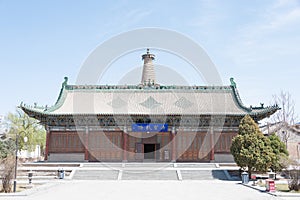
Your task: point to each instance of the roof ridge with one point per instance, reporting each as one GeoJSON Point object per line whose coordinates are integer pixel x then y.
{"type": "Point", "coordinates": [158, 87]}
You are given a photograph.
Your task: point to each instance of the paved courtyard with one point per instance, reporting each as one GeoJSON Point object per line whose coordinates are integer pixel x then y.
{"type": "Point", "coordinates": [146, 190]}
{"type": "Point", "coordinates": [115, 181]}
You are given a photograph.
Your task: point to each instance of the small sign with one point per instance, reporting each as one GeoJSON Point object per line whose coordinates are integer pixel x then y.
{"type": "Point", "coordinates": [272, 187]}
{"type": "Point", "coordinates": [167, 154]}
{"type": "Point", "coordinates": [143, 127]}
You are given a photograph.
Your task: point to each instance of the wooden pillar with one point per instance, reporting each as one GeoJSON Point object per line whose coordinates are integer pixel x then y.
{"type": "Point", "coordinates": [125, 141]}
{"type": "Point", "coordinates": [86, 144]}
{"type": "Point", "coordinates": [47, 143]}
{"type": "Point", "coordinates": [173, 134]}
{"type": "Point", "coordinates": [212, 144]}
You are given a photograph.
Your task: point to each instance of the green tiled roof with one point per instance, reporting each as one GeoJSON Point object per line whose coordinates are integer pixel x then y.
{"type": "Point", "coordinates": [149, 100]}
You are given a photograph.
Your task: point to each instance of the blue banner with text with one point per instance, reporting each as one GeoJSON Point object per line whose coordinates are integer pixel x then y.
{"type": "Point", "coordinates": [144, 127]}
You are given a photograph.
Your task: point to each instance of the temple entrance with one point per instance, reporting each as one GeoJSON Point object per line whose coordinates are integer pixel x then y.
{"type": "Point", "coordinates": [149, 151]}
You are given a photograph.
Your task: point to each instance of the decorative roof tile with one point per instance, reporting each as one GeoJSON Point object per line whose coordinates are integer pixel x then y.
{"type": "Point", "coordinates": [150, 103]}
{"type": "Point", "coordinates": [117, 103]}
{"type": "Point", "coordinates": [184, 103]}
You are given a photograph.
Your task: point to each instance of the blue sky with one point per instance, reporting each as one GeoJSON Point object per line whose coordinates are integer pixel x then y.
{"type": "Point", "coordinates": [256, 42]}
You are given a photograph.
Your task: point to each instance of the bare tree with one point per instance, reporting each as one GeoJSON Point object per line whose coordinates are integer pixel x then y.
{"type": "Point", "coordinates": [285, 118]}
{"type": "Point", "coordinates": [7, 173]}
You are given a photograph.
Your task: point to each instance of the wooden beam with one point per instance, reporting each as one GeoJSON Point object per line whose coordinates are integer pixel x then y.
{"type": "Point", "coordinates": [173, 138]}
{"type": "Point", "coordinates": [212, 144]}
{"type": "Point", "coordinates": [47, 143]}
{"type": "Point", "coordinates": [125, 138]}
{"type": "Point", "coordinates": [86, 144]}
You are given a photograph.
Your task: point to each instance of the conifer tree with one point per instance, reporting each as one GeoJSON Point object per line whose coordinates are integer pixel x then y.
{"type": "Point", "coordinates": [280, 151]}
{"type": "Point", "coordinates": [250, 148]}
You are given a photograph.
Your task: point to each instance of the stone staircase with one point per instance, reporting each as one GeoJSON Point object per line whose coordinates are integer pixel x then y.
{"type": "Point", "coordinates": [96, 175]}
{"type": "Point", "coordinates": [149, 175]}
{"type": "Point", "coordinates": [149, 171]}
{"type": "Point", "coordinates": [44, 171]}
{"type": "Point", "coordinates": [123, 171]}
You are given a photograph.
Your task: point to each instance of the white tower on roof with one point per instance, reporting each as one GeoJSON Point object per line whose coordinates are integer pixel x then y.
{"type": "Point", "coordinates": [148, 76]}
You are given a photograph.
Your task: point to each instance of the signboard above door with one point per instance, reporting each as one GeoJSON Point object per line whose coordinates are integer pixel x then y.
{"type": "Point", "coordinates": [145, 127]}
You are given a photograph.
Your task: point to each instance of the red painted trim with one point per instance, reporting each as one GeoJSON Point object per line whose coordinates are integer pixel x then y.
{"type": "Point", "coordinates": [47, 144]}
{"type": "Point", "coordinates": [173, 146]}
{"type": "Point", "coordinates": [86, 144]}
{"type": "Point", "coordinates": [125, 138]}
{"type": "Point", "coordinates": [212, 146]}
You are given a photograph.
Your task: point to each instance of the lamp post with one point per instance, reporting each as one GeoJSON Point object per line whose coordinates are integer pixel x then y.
{"type": "Point", "coordinates": [16, 162]}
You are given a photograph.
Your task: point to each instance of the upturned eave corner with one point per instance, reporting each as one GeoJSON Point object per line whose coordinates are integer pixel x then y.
{"type": "Point", "coordinates": [237, 97]}
{"type": "Point", "coordinates": [259, 111]}
{"type": "Point", "coordinates": [36, 110]}
{"type": "Point", "coordinates": [63, 87]}
{"type": "Point", "coordinates": [61, 97]}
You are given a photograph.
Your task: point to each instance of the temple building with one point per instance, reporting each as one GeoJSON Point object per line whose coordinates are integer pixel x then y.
{"type": "Point", "coordinates": [144, 122]}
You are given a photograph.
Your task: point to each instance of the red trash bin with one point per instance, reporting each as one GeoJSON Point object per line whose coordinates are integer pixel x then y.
{"type": "Point", "coordinates": [270, 185]}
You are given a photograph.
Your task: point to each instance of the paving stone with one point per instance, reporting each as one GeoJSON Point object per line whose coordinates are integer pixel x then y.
{"type": "Point", "coordinates": [103, 165]}
{"type": "Point", "coordinates": [148, 165]}
{"type": "Point", "coordinates": [149, 175]}
{"type": "Point", "coordinates": [195, 165]}
{"type": "Point", "coordinates": [203, 174]}
{"type": "Point", "coordinates": [96, 175]}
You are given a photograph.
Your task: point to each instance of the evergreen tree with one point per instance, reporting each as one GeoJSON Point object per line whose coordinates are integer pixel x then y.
{"type": "Point", "coordinates": [250, 148]}
{"type": "Point", "coordinates": [280, 151]}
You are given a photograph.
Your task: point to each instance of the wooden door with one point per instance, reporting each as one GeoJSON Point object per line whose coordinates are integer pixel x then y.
{"type": "Point", "coordinates": [139, 151]}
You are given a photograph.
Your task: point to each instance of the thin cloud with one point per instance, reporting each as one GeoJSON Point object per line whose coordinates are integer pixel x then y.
{"type": "Point", "coordinates": [278, 17]}
{"type": "Point", "coordinates": [273, 32]}
{"type": "Point", "coordinates": [134, 17]}
{"type": "Point", "coordinates": [210, 13]}
{"type": "Point", "coordinates": [125, 20]}
{"type": "Point", "coordinates": [285, 19]}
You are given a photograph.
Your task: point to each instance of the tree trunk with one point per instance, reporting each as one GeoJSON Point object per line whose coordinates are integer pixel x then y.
{"type": "Point", "coordinates": [249, 172]}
